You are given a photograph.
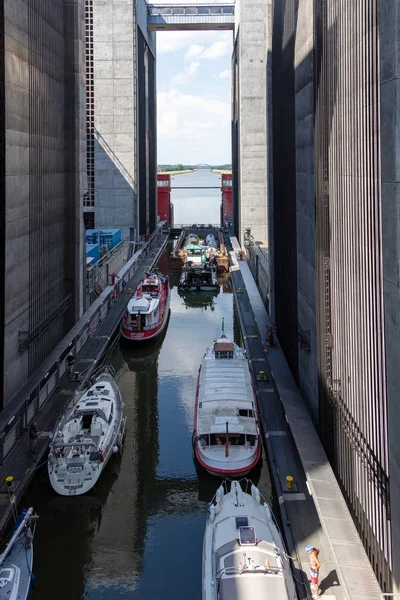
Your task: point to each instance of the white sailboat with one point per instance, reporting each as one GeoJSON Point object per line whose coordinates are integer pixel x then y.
{"type": "Point", "coordinates": [243, 551]}
{"type": "Point", "coordinates": [89, 432]}
{"type": "Point", "coordinates": [226, 434]}
{"type": "Point", "coordinates": [17, 558]}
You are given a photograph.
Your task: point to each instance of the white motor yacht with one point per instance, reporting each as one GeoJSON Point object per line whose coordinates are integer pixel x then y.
{"type": "Point", "coordinates": [244, 555]}
{"type": "Point", "coordinates": [87, 435]}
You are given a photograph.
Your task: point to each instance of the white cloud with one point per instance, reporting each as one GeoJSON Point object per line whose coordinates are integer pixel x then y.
{"type": "Point", "coordinates": [216, 50]}
{"type": "Point", "coordinates": [225, 74]}
{"type": "Point", "coordinates": [171, 41]}
{"type": "Point", "coordinates": [191, 127]}
{"type": "Point", "coordinates": [187, 75]}
{"type": "Point", "coordinates": [194, 51]}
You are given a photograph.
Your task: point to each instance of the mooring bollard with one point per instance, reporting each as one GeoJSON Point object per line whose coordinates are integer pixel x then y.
{"type": "Point", "coordinates": [289, 481]}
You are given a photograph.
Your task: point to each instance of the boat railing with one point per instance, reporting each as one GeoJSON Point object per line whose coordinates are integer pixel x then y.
{"type": "Point", "coordinates": [58, 444]}
{"type": "Point", "coordinates": [248, 569]}
{"type": "Point", "coordinates": [24, 523]}
{"type": "Point", "coordinates": [103, 370]}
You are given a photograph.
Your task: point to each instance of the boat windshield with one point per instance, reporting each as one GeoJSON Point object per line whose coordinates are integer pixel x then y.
{"type": "Point", "coordinates": [150, 289]}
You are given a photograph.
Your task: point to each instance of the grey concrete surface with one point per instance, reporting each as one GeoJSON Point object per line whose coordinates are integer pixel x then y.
{"type": "Point", "coordinates": [251, 86]}
{"type": "Point", "coordinates": [114, 105]}
{"type": "Point", "coordinates": [305, 198]}
{"type": "Point", "coordinates": [44, 179]}
{"type": "Point", "coordinates": [390, 189]}
{"type": "Point", "coordinates": [321, 517]}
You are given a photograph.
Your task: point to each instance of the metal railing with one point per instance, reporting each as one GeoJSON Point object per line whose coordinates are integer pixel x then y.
{"type": "Point", "coordinates": [191, 10]}
{"type": "Point", "coordinates": [196, 226]}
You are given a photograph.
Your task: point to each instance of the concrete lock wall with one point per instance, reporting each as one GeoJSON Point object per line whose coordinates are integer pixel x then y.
{"type": "Point", "coordinates": [251, 127]}
{"type": "Point", "coordinates": [336, 207]}
{"type": "Point", "coordinates": [114, 121]}
{"type": "Point", "coordinates": [44, 180]}
{"type": "Point", "coordinates": [390, 190]}
{"type": "Point", "coordinates": [124, 191]}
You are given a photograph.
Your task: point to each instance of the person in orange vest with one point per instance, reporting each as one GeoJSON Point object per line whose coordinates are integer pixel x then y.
{"type": "Point", "coordinates": [114, 276]}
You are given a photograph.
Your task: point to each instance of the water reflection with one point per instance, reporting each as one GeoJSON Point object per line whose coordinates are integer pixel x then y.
{"type": "Point", "coordinates": [198, 299]}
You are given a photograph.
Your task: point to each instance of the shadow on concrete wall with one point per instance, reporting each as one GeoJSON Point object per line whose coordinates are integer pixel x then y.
{"type": "Point", "coordinates": [114, 187]}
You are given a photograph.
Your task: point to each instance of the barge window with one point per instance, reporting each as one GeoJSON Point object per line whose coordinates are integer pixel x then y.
{"type": "Point", "coordinates": [220, 354]}
{"type": "Point", "coordinates": [244, 412]}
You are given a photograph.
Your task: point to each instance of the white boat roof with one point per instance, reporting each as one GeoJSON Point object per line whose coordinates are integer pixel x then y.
{"type": "Point", "coordinates": [225, 388]}
{"type": "Point", "coordinates": [143, 305]}
{"type": "Point", "coordinates": [229, 553]}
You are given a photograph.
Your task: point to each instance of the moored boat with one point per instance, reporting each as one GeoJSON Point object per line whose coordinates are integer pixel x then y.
{"type": "Point", "coordinates": [204, 278]}
{"type": "Point", "coordinates": [87, 435]}
{"type": "Point", "coordinates": [226, 435]}
{"type": "Point", "coordinates": [147, 312]}
{"type": "Point", "coordinates": [17, 558]}
{"type": "Point", "coordinates": [243, 551]}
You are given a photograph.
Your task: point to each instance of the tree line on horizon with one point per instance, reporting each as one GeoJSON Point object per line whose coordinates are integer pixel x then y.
{"type": "Point", "coordinates": [181, 167]}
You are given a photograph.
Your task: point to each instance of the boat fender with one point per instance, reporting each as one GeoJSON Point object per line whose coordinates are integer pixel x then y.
{"type": "Point", "coordinates": [115, 449]}
{"type": "Point", "coordinates": [212, 512]}
{"type": "Point", "coordinates": [217, 508]}
{"type": "Point", "coordinates": [267, 511]}
{"type": "Point", "coordinates": [255, 493]}
{"type": "Point", "coordinates": [101, 456]}
{"type": "Point", "coordinates": [219, 493]}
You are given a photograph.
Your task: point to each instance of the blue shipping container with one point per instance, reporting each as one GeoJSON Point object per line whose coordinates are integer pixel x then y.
{"type": "Point", "coordinates": [92, 236]}
{"type": "Point", "coordinates": [92, 250]}
{"type": "Point", "coordinates": [110, 237]}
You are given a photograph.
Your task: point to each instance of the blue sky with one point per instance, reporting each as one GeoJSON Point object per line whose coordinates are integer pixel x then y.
{"type": "Point", "coordinates": [194, 97]}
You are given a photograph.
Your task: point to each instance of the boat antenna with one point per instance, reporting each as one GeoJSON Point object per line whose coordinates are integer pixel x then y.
{"type": "Point", "coordinates": [223, 328]}
{"type": "Point", "coordinates": [227, 442]}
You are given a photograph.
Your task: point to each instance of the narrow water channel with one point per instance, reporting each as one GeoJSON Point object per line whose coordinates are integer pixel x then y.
{"type": "Point", "coordinates": [138, 535]}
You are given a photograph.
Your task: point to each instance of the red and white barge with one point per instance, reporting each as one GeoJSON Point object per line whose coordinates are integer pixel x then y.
{"type": "Point", "coordinates": [226, 435]}
{"type": "Point", "coordinates": [147, 312]}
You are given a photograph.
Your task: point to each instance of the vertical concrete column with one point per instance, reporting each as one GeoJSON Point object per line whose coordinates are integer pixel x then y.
{"type": "Point", "coordinates": [305, 201]}
{"type": "Point", "coordinates": [75, 159]}
{"type": "Point", "coordinates": [270, 177]}
{"type": "Point", "coordinates": [115, 152]}
{"type": "Point", "coordinates": [252, 150]}
{"type": "Point", "coordinates": [390, 188]}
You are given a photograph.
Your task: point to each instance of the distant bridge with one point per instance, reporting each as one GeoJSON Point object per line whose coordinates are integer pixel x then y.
{"type": "Point", "coordinates": [195, 187]}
